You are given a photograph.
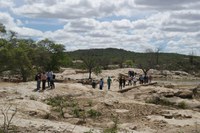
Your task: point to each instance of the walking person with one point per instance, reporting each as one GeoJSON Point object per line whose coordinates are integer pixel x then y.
{"type": "Point", "coordinates": [43, 78]}
{"type": "Point", "coordinates": [101, 84]}
{"type": "Point", "coordinates": [109, 82]}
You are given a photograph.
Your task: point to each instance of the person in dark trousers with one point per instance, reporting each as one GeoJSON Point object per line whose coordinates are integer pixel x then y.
{"type": "Point", "coordinates": [101, 84]}
{"type": "Point", "coordinates": [123, 81]}
{"type": "Point", "coordinates": [38, 79]}
{"type": "Point", "coordinates": [109, 82]}
{"type": "Point", "coordinates": [43, 78]}
{"type": "Point", "coordinates": [120, 82]}
{"type": "Point", "coordinates": [52, 79]}
{"type": "Point", "coordinates": [49, 77]}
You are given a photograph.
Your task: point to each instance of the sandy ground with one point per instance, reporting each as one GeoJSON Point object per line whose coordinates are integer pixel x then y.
{"type": "Point", "coordinates": [134, 114]}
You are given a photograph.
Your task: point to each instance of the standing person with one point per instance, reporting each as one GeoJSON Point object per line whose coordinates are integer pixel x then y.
{"type": "Point", "coordinates": [109, 82]}
{"type": "Point", "coordinates": [141, 79]}
{"type": "Point", "coordinates": [43, 78]}
{"type": "Point", "coordinates": [120, 82]}
{"type": "Point", "coordinates": [130, 80]}
{"type": "Point", "coordinates": [49, 77]}
{"type": "Point", "coordinates": [38, 79]}
{"type": "Point", "coordinates": [123, 81]}
{"type": "Point", "coordinates": [134, 80]}
{"type": "Point", "coordinates": [101, 84]}
{"type": "Point", "coordinates": [52, 79]}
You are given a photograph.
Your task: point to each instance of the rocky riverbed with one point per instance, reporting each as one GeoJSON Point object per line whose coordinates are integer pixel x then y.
{"type": "Point", "coordinates": [73, 107]}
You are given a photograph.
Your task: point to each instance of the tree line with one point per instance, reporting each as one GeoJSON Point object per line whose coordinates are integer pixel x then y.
{"type": "Point", "coordinates": [25, 57]}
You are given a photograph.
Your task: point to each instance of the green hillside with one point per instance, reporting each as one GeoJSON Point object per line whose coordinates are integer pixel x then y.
{"type": "Point", "coordinates": [170, 61]}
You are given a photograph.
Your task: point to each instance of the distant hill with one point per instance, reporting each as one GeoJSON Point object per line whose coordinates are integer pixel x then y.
{"type": "Point", "coordinates": [170, 61]}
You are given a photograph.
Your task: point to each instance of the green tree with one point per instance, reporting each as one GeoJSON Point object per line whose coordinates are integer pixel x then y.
{"type": "Point", "coordinates": [129, 63]}
{"type": "Point", "coordinates": [51, 55]}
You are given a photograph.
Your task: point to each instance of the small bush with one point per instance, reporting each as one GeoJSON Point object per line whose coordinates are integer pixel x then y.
{"type": "Point", "coordinates": [76, 112]}
{"type": "Point", "coordinates": [114, 128]}
{"type": "Point", "coordinates": [159, 101]}
{"type": "Point", "coordinates": [182, 105]}
{"type": "Point", "coordinates": [93, 113]}
{"type": "Point", "coordinates": [59, 102]}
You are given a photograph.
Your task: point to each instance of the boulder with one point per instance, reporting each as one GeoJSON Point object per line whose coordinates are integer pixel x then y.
{"type": "Point", "coordinates": [184, 94]}
{"type": "Point", "coordinates": [168, 116]}
{"type": "Point", "coordinates": [168, 94]}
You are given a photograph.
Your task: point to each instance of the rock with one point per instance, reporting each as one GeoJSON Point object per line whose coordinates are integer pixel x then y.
{"type": "Point", "coordinates": [169, 86]}
{"type": "Point", "coordinates": [133, 127]}
{"type": "Point", "coordinates": [168, 94]}
{"type": "Point", "coordinates": [66, 115]}
{"type": "Point", "coordinates": [187, 116]}
{"type": "Point", "coordinates": [32, 113]}
{"type": "Point", "coordinates": [121, 110]}
{"type": "Point", "coordinates": [181, 73]}
{"type": "Point", "coordinates": [184, 94]}
{"type": "Point", "coordinates": [168, 116]}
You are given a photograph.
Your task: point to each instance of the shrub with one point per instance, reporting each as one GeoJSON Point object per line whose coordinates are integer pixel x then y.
{"type": "Point", "coordinates": [160, 101]}
{"type": "Point", "coordinates": [114, 128]}
{"type": "Point", "coordinates": [93, 113]}
{"type": "Point", "coordinates": [182, 105]}
{"type": "Point", "coordinates": [59, 102]}
{"type": "Point", "coordinates": [76, 112]}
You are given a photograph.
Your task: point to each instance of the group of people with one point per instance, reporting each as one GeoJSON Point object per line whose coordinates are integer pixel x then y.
{"type": "Point", "coordinates": [143, 79]}
{"type": "Point", "coordinates": [124, 80]}
{"type": "Point", "coordinates": [48, 77]}
{"type": "Point", "coordinates": [101, 83]}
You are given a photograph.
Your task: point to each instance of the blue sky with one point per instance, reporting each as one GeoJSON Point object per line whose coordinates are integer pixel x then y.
{"type": "Point", "coordinates": [137, 25]}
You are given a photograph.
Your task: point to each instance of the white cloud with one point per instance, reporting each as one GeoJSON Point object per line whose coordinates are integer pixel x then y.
{"type": "Point", "coordinates": [11, 25]}
{"type": "Point", "coordinates": [130, 24]}
{"type": "Point", "coordinates": [6, 3]}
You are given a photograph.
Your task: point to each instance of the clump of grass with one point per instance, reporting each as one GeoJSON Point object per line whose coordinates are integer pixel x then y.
{"type": "Point", "coordinates": [76, 112]}
{"type": "Point", "coordinates": [160, 101]}
{"type": "Point", "coordinates": [114, 128]}
{"type": "Point", "coordinates": [182, 105]}
{"type": "Point", "coordinates": [59, 102]}
{"type": "Point", "coordinates": [93, 113]}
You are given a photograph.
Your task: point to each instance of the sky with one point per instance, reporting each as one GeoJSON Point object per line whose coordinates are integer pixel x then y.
{"type": "Point", "coordinates": [172, 26]}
